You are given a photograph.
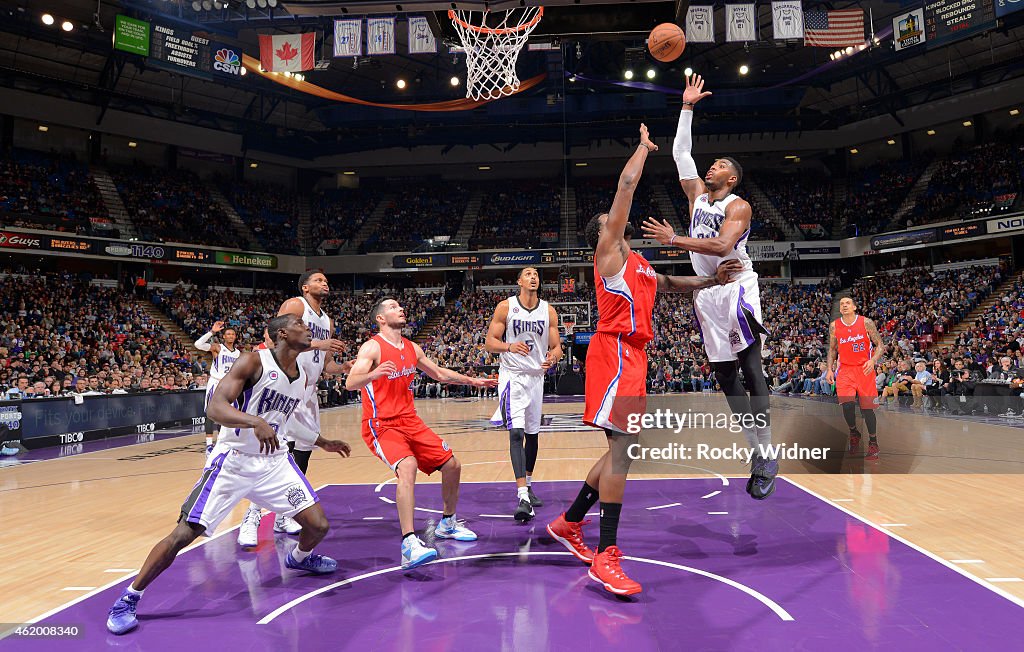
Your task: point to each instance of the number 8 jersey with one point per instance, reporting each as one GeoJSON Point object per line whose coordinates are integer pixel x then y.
{"type": "Point", "coordinates": [320, 329]}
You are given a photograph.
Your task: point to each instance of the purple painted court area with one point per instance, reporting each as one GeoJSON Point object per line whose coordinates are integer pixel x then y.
{"type": "Point", "coordinates": [711, 581]}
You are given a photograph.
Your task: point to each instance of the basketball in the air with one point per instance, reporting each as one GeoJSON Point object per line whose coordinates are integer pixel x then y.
{"type": "Point", "coordinates": [666, 42]}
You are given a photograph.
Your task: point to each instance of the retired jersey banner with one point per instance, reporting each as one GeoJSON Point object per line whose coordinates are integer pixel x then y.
{"type": "Point", "coordinates": [700, 24]}
{"type": "Point", "coordinates": [740, 23]}
{"type": "Point", "coordinates": [421, 39]}
{"type": "Point", "coordinates": [380, 36]}
{"type": "Point", "coordinates": [348, 38]}
{"type": "Point", "coordinates": [788, 19]}
{"type": "Point", "coordinates": [908, 29]}
{"type": "Point", "coordinates": [287, 52]}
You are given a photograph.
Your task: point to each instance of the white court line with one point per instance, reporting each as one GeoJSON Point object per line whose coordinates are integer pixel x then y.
{"type": "Point", "coordinates": [380, 485]}
{"type": "Point", "coordinates": [712, 494]}
{"type": "Point", "coordinates": [1003, 579]}
{"type": "Point", "coordinates": [760, 597]}
{"type": "Point", "coordinates": [977, 580]}
{"type": "Point", "coordinates": [373, 518]}
{"type": "Point", "coordinates": [553, 459]}
{"type": "Point", "coordinates": [717, 513]}
{"type": "Point", "coordinates": [664, 506]}
{"type": "Point", "coordinates": [78, 588]}
{"type": "Point", "coordinates": [497, 515]}
{"type": "Point", "coordinates": [966, 561]}
{"type": "Point", "coordinates": [892, 525]}
{"type": "Point", "coordinates": [594, 514]}
{"type": "Point", "coordinates": [121, 570]}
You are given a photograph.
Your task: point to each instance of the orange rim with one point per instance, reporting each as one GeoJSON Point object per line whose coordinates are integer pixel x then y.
{"type": "Point", "coordinates": [489, 30]}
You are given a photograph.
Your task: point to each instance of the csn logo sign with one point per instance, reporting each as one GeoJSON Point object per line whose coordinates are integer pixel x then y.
{"type": "Point", "coordinates": [226, 60]}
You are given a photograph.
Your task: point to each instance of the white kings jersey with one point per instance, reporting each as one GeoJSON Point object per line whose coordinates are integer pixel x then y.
{"type": "Point", "coordinates": [273, 398]}
{"type": "Point", "coordinates": [707, 223]}
{"type": "Point", "coordinates": [530, 327]}
{"type": "Point", "coordinates": [222, 362]}
{"type": "Point", "coordinates": [320, 328]}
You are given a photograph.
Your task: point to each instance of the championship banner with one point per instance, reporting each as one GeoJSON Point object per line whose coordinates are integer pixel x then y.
{"type": "Point", "coordinates": [421, 39]}
{"type": "Point", "coordinates": [700, 24]}
{"type": "Point", "coordinates": [348, 38]}
{"type": "Point", "coordinates": [908, 29]}
{"type": "Point", "coordinates": [740, 23]}
{"type": "Point", "coordinates": [788, 19]}
{"type": "Point", "coordinates": [380, 36]}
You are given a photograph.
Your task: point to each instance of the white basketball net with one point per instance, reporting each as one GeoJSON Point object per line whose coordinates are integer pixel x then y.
{"type": "Point", "coordinates": [492, 41]}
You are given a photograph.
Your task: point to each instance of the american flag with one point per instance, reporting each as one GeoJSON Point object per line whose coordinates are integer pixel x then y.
{"type": "Point", "coordinates": [841, 27]}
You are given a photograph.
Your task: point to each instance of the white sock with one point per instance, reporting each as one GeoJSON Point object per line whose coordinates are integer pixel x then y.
{"type": "Point", "coordinates": [529, 480]}
{"type": "Point", "coordinates": [300, 556]}
{"type": "Point", "coordinates": [135, 591]}
{"type": "Point", "coordinates": [751, 436]}
{"type": "Point", "coordinates": [521, 492]}
{"type": "Point", "coordinates": [209, 441]}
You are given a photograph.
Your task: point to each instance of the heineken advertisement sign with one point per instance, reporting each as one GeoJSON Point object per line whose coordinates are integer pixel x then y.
{"type": "Point", "coordinates": [131, 35]}
{"type": "Point", "coordinates": [265, 261]}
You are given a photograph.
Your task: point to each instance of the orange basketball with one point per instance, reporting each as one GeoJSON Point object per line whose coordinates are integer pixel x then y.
{"type": "Point", "coordinates": [666, 42]}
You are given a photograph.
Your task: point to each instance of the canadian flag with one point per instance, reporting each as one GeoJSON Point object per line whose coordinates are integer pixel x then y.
{"type": "Point", "coordinates": [287, 52]}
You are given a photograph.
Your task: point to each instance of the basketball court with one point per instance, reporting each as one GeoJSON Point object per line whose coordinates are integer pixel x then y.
{"type": "Point", "coordinates": [862, 557]}
{"type": "Point", "coordinates": [920, 549]}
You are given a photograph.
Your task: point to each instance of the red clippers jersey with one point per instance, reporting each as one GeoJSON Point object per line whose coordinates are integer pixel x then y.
{"type": "Point", "coordinates": [625, 301]}
{"type": "Point", "coordinates": [390, 397]}
{"type": "Point", "coordinates": [854, 343]}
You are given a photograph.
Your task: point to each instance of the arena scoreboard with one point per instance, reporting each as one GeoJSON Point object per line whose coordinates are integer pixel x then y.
{"type": "Point", "coordinates": [946, 21]}
{"type": "Point", "coordinates": [180, 48]}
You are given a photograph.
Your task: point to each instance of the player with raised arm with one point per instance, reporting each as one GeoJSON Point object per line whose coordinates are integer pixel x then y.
{"type": "Point", "coordinates": [729, 317]}
{"type": "Point", "coordinates": [224, 355]}
{"type": "Point", "coordinates": [616, 380]}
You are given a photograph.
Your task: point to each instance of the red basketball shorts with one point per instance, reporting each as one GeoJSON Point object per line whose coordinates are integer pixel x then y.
{"type": "Point", "coordinates": [393, 440]}
{"type": "Point", "coordinates": [852, 384]}
{"type": "Point", "coordinates": [616, 385]}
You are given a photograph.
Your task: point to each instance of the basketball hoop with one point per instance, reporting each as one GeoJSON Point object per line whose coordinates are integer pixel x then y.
{"type": "Point", "coordinates": [492, 41]}
{"type": "Point", "coordinates": [568, 324]}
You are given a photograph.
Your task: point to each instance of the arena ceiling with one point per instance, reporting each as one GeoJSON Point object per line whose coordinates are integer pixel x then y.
{"type": "Point", "coordinates": [789, 86]}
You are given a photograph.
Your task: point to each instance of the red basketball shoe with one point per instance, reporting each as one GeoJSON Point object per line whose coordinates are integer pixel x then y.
{"type": "Point", "coordinates": [570, 535]}
{"type": "Point", "coordinates": [607, 570]}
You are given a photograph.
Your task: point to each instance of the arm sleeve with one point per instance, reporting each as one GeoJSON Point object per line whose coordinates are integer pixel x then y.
{"type": "Point", "coordinates": [203, 343]}
{"type": "Point", "coordinates": [682, 146]}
